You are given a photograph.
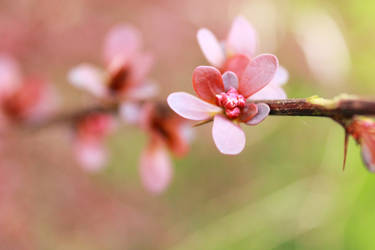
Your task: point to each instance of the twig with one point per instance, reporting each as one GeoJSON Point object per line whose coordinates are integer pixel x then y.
{"type": "Point", "coordinates": [344, 108]}
{"type": "Point", "coordinates": [340, 109]}
{"type": "Point", "coordinates": [72, 117]}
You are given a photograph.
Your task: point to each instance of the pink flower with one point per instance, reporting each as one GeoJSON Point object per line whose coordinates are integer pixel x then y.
{"type": "Point", "coordinates": [24, 99]}
{"type": "Point", "coordinates": [126, 68]}
{"type": "Point", "coordinates": [90, 134]}
{"type": "Point", "coordinates": [222, 97]}
{"type": "Point", "coordinates": [167, 131]}
{"type": "Point", "coordinates": [240, 43]}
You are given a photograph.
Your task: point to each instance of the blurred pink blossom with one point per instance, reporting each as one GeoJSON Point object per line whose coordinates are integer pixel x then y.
{"type": "Point", "coordinates": [91, 132]}
{"type": "Point", "coordinates": [126, 67]}
{"type": "Point", "coordinates": [222, 98]}
{"type": "Point", "coordinates": [241, 41]}
{"type": "Point", "coordinates": [167, 131]}
{"type": "Point", "coordinates": [24, 99]}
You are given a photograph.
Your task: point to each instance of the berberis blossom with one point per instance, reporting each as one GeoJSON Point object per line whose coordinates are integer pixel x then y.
{"type": "Point", "coordinates": [223, 98]}
{"type": "Point", "coordinates": [225, 90]}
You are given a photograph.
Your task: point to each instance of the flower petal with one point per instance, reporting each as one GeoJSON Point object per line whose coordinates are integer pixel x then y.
{"type": "Point", "coordinates": [155, 168]}
{"type": "Point", "coordinates": [263, 112]}
{"type": "Point", "coordinates": [10, 75]}
{"type": "Point", "coordinates": [89, 78]}
{"type": "Point", "coordinates": [368, 157]}
{"type": "Point", "coordinates": [242, 37]}
{"type": "Point", "coordinates": [237, 64]}
{"type": "Point", "coordinates": [47, 102]}
{"type": "Point", "coordinates": [281, 77]}
{"type": "Point", "coordinates": [230, 80]}
{"type": "Point", "coordinates": [228, 136]}
{"type": "Point", "coordinates": [191, 107]}
{"type": "Point", "coordinates": [130, 112]}
{"type": "Point", "coordinates": [269, 92]}
{"type": "Point", "coordinates": [142, 91]}
{"type": "Point", "coordinates": [121, 43]}
{"type": "Point", "coordinates": [140, 67]}
{"type": "Point", "coordinates": [92, 156]}
{"type": "Point", "coordinates": [258, 74]}
{"type": "Point", "coordinates": [207, 82]}
{"type": "Point", "coordinates": [368, 145]}
{"type": "Point", "coordinates": [248, 112]}
{"type": "Point", "coordinates": [211, 47]}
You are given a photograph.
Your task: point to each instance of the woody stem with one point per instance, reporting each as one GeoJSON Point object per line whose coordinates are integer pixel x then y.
{"type": "Point", "coordinates": [338, 109]}
{"type": "Point", "coordinates": [344, 108]}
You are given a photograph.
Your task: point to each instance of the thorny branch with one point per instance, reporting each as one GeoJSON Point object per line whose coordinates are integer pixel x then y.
{"type": "Point", "coordinates": [339, 109]}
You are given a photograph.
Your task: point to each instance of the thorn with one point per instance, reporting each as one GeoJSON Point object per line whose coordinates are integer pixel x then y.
{"type": "Point", "coordinates": [346, 140]}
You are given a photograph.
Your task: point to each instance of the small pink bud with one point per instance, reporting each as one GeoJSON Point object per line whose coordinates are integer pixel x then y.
{"type": "Point", "coordinates": [241, 101]}
{"type": "Point", "coordinates": [221, 99]}
{"type": "Point", "coordinates": [231, 103]}
{"type": "Point", "coordinates": [233, 113]}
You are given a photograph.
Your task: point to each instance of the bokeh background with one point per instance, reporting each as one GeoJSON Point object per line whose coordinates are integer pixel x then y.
{"type": "Point", "coordinates": [286, 190]}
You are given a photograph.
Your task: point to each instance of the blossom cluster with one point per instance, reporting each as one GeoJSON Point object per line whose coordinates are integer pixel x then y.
{"type": "Point", "coordinates": [124, 81]}
{"type": "Point", "coordinates": [223, 89]}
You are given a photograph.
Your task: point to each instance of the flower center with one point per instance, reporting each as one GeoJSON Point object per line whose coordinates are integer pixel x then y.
{"type": "Point", "coordinates": [232, 102]}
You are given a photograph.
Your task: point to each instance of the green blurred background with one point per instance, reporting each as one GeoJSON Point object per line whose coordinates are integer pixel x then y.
{"type": "Point", "coordinates": [286, 190]}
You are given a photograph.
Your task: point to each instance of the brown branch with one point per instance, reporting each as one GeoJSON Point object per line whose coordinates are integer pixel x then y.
{"type": "Point", "coordinates": [72, 117]}
{"type": "Point", "coordinates": [340, 109]}
{"type": "Point", "coordinates": [344, 108]}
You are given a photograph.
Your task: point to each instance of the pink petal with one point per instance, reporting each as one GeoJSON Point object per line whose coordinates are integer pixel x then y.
{"type": "Point", "coordinates": [237, 64]}
{"type": "Point", "coordinates": [155, 168]}
{"type": "Point", "coordinates": [242, 37]}
{"type": "Point", "coordinates": [141, 66]}
{"type": "Point", "coordinates": [207, 82]}
{"type": "Point", "coordinates": [248, 112]}
{"type": "Point", "coordinates": [130, 112]}
{"type": "Point", "coordinates": [228, 136]}
{"type": "Point", "coordinates": [263, 112]}
{"type": "Point", "coordinates": [121, 44]}
{"type": "Point", "coordinates": [230, 80]}
{"type": "Point", "coordinates": [142, 91]}
{"type": "Point", "coordinates": [211, 47]}
{"type": "Point", "coordinates": [258, 74]}
{"type": "Point", "coordinates": [191, 107]}
{"type": "Point", "coordinates": [270, 92]}
{"type": "Point", "coordinates": [89, 78]}
{"type": "Point", "coordinates": [92, 156]}
{"type": "Point", "coordinates": [10, 75]}
{"type": "Point", "coordinates": [368, 157]}
{"type": "Point", "coordinates": [281, 77]}
{"type": "Point", "coordinates": [47, 104]}
{"type": "Point", "coordinates": [33, 101]}
{"type": "Point", "coordinates": [368, 147]}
